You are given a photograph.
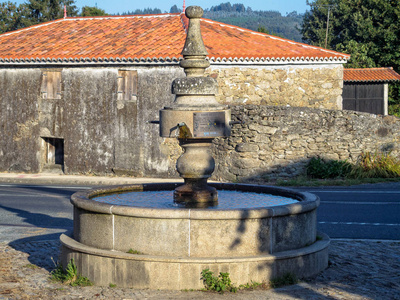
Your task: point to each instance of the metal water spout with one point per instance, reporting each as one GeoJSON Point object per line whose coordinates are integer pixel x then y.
{"type": "Point", "coordinates": [197, 116]}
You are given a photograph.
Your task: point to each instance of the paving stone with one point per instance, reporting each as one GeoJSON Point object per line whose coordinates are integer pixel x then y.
{"type": "Point", "coordinates": [358, 270]}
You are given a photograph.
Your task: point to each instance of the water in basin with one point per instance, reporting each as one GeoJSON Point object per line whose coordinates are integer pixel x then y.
{"type": "Point", "coordinates": [226, 200]}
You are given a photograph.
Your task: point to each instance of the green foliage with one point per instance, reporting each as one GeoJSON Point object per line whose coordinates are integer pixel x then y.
{"type": "Point", "coordinates": [146, 11]}
{"type": "Point", "coordinates": [39, 11]}
{"type": "Point", "coordinates": [318, 168]}
{"type": "Point", "coordinates": [88, 11]}
{"type": "Point", "coordinates": [359, 54]}
{"type": "Point", "coordinates": [305, 181]}
{"type": "Point", "coordinates": [394, 110]}
{"type": "Point", "coordinates": [287, 279]}
{"type": "Point", "coordinates": [12, 16]}
{"type": "Point", "coordinates": [112, 285]}
{"type": "Point", "coordinates": [31, 266]}
{"type": "Point", "coordinates": [368, 165]}
{"type": "Point", "coordinates": [238, 15]}
{"type": "Point", "coordinates": [376, 165]}
{"type": "Point", "coordinates": [229, 8]}
{"type": "Point", "coordinates": [174, 9]}
{"type": "Point", "coordinates": [131, 251]}
{"type": "Point", "coordinates": [219, 284]}
{"type": "Point", "coordinates": [69, 275]}
{"type": "Point", "coordinates": [251, 286]}
{"type": "Point", "coordinates": [264, 30]}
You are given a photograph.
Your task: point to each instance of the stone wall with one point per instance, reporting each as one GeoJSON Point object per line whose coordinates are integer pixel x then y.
{"type": "Point", "coordinates": [104, 134]}
{"type": "Point", "coordinates": [101, 134]}
{"type": "Point", "coordinates": [302, 86]}
{"type": "Point", "coordinates": [279, 141]}
{"type": "Point", "coordinates": [19, 120]}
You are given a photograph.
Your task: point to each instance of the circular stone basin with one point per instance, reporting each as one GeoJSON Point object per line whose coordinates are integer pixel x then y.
{"type": "Point", "coordinates": [154, 229]}
{"type": "Point", "coordinates": [255, 233]}
{"type": "Point", "coordinates": [226, 200]}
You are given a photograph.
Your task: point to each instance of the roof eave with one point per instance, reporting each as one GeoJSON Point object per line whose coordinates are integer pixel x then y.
{"type": "Point", "coordinates": [371, 81]}
{"type": "Point", "coordinates": [169, 61]}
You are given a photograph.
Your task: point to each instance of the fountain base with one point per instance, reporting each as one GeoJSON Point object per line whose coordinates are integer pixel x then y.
{"type": "Point", "coordinates": [178, 273]}
{"type": "Point", "coordinates": [251, 244]}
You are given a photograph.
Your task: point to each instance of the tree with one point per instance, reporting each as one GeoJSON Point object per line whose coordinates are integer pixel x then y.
{"type": "Point", "coordinates": [12, 16]}
{"type": "Point", "coordinates": [39, 11]}
{"type": "Point", "coordinates": [174, 9]}
{"type": "Point", "coordinates": [368, 30]}
{"type": "Point", "coordinates": [147, 11]}
{"type": "Point", "coordinates": [88, 11]}
{"type": "Point", "coordinates": [262, 29]}
{"type": "Point", "coordinates": [371, 26]}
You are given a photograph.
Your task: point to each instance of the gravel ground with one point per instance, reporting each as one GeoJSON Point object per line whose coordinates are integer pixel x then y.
{"type": "Point", "coordinates": [358, 270]}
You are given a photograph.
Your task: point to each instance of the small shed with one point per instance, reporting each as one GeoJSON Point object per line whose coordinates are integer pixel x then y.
{"type": "Point", "coordinates": [366, 90]}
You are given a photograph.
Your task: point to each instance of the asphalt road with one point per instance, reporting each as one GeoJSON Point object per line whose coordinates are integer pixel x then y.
{"type": "Point", "coordinates": [363, 212]}
{"type": "Point", "coordinates": [368, 212]}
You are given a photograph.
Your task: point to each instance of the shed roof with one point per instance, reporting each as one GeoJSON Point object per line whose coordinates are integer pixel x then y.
{"type": "Point", "coordinates": [370, 75]}
{"type": "Point", "coordinates": [149, 39]}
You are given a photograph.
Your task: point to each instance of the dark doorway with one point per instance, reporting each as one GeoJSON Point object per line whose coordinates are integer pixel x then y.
{"type": "Point", "coordinates": [365, 97]}
{"type": "Point", "coordinates": [53, 153]}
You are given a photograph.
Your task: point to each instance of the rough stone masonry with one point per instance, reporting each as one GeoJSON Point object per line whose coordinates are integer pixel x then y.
{"type": "Point", "coordinates": [277, 142]}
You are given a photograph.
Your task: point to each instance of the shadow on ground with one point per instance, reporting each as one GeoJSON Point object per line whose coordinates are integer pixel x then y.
{"type": "Point", "coordinates": [37, 232]}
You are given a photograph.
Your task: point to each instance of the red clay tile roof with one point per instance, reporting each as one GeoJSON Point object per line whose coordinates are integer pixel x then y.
{"type": "Point", "coordinates": [370, 74]}
{"type": "Point", "coordinates": [149, 38]}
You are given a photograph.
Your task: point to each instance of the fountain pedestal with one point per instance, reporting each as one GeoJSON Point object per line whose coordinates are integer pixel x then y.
{"type": "Point", "coordinates": [195, 118]}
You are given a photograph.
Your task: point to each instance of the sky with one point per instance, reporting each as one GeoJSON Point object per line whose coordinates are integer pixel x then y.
{"type": "Point", "coordinates": [120, 6]}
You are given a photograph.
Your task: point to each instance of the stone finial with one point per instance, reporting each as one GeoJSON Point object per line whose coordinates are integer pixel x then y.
{"type": "Point", "coordinates": [194, 52]}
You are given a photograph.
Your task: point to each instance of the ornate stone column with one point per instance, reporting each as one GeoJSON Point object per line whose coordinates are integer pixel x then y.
{"type": "Point", "coordinates": [196, 118]}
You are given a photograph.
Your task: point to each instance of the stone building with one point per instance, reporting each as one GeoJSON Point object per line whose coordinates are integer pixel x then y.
{"type": "Point", "coordinates": [77, 93]}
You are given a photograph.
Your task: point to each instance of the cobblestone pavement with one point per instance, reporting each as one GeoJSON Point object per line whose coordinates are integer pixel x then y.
{"type": "Point", "coordinates": [358, 270]}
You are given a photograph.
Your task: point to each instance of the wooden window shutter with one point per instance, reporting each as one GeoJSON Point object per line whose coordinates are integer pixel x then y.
{"type": "Point", "coordinates": [127, 85]}
{"type": "Point", "coordinates": [51, 84]}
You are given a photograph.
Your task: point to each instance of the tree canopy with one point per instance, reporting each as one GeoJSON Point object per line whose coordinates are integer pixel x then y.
{"type": "Point", "coordinates": [88, 11]}
{"type": "Point", "coordinates": [39, 11]}
{"type": "Point", "coordinates": [174, 9]}
{"type": "Point", "coordinates": [369, 30]}
{"type": "Point", "coordinates": [272, 21]}
{"type": "Point", "coordinates": [13, 17]}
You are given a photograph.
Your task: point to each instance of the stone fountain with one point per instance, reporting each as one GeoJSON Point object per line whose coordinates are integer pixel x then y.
{"type": "Point", "coordinates": [200, 119]}
{"type": "Point", "coordinates": [255, 233]}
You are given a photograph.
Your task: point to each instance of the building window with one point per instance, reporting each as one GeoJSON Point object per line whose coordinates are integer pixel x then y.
{"type": "Point", "coordinates": [51, 84]}
{"type": "Point", "coordinates": [127, 85]}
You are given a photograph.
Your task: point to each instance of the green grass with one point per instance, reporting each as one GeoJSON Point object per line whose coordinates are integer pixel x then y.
{"type": "Point", "coordinates": [304, 181]}
{"type": "Point", "coordinates": [370, 167]}
{"type": "Point", "coordinates": [69, 275]}
{"type": "Point", "coordinates": [319, 168]}
{"type": "Point", "coordinates": [223, 283]}
{"type": "Point", "coordinates": [131, 251]}
{"type": "Point", "coordinates": [375, 165]}
{"type": "Point", "coordinates": [31, 266]}
{"type": "Point", "coordinates": [219, 284]}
